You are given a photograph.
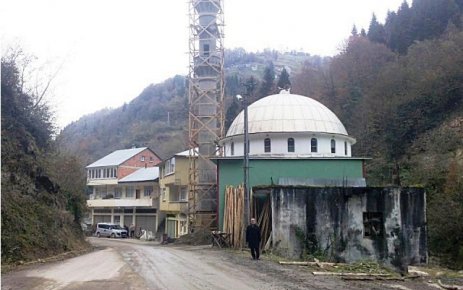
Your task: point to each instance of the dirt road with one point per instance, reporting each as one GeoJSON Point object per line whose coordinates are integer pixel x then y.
{"type": "Point", "coordinates": [132, 264]}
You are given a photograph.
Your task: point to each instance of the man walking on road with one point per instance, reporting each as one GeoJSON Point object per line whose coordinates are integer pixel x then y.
{"type": "Point", "coordinates": [253, 238]}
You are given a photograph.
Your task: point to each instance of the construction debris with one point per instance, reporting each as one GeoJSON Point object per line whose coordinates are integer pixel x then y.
{"type": "Point", "coordinates": [320, 264]}
{"type": "Point", "coordinates": [349, 274]}
{"type": "Point", "coordinates": [449, 287]}
{"type": "Point", "coordinates": [263, 220]}
{"type": "Point", "coordinates": [416, 271]}
{"type": "Point", "coordinates": [201, 236]}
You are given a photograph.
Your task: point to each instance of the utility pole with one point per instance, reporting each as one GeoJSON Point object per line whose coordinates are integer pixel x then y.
{"type": "Point", "coordinates": [250, 85]}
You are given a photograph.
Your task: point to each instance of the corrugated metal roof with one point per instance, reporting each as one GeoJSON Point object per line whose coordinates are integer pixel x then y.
{"type": "Point", "coordinates": [117, 157]}
{"type": "Point", "coordinates": [287, 113]}
{"type": "Point", "coordinates": [142, 174]}
{"type": "Point", "coordinates": [186, 153]}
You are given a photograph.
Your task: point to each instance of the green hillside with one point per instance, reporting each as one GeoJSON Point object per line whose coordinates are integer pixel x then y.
{"type": "Point", "coordinates": [158, 117]}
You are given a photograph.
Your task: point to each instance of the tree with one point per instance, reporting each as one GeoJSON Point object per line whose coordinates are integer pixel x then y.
{"type": "Point", "coordinates": [354, 31]}
{"type": "Point", "coordinates": [283, 80]}
{"type": "Point", "coordinates": [376, 31]}
{"type": "Point", "coordinates": [267, 86]}
{"type": "Point", "coordinates": [33, 206]}
{"type": "Point", "coordinates": [363, 33]}
{"type": "Point", "coordinates": [232, 112]}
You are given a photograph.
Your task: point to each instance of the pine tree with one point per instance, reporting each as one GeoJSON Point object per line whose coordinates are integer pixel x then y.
{"type": "Point", "coordinates": [363, 33]}
{"type": "Point", "coordinates": [267, 87]}
{"type": "Point", "coordinates": [283, 80]}
{"type": "Point", "coordinates": [354, 31]}
{"type": "Point", "coordinates": [231, 114]}
{"type": "Point", "coordinates": [376, 31]}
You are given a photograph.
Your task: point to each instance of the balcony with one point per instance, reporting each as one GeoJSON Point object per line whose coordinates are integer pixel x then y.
{"type": "Point", "coordinates": [174, 206]}
{"type": "Point", "coordinates": [101, 181]}
{"type": "Point", "coordinates": [127, 202]}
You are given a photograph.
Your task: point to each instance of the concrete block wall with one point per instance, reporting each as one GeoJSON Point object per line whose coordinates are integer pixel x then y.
{"type": "Point", "coordinates": [333, 222]}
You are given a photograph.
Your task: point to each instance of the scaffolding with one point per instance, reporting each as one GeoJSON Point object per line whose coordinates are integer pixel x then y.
{"type": "Point", "coordinates": [206, 116]}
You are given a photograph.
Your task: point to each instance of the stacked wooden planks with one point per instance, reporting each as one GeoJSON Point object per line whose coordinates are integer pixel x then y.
{"type": "Point", "coordinates": [233, 215]}
{"type": "Point", "coordinates": [265, 223]}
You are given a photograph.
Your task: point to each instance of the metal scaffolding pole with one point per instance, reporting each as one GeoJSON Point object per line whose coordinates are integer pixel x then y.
{"type": "Point", "coordinates": [206, 117]}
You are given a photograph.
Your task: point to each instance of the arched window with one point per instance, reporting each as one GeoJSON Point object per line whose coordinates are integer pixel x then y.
{"type": "Point", "coordinates": [313, 145]}
{"type": "Point", "coordinates": [290, 145]}
{"type": "Point", "coordinates": [333, 146]}
{"type": "Point", "coordinates": [232, 148]}
{"type": "Point", "coordinates": [267, 145]}
{"type": "Point", "coordinates": [345, 148]}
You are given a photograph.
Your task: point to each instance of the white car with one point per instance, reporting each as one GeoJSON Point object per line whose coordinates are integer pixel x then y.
{"type": "Point", "coordinates": [110, 231]}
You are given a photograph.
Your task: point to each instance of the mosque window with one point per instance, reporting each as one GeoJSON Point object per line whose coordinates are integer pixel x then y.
{"type": "Point", "coordinates": [267, 145]}
{"type": "Point", "coordinates": [232, 148]}
{"type": "Point", "coordinates": [333, 146]}
{"type": "Point", "coordinates": [345, 148]}
{"type": "Point", "coordinates": [313, 145]}
{"type": "Point", "coordinates": [290, 145]}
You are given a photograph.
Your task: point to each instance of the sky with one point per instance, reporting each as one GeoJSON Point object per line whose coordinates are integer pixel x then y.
{"type": "Point", "coordinates": [105, 52]}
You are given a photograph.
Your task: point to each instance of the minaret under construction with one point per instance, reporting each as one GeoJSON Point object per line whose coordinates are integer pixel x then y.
{"type": "Point", "coordinates": [206, 117]}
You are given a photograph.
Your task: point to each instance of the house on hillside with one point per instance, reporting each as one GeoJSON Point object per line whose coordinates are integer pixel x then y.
{"type": "Point", "coordinates": [125, 188]}
{"type": "Point", "coordinates": [173, 184]}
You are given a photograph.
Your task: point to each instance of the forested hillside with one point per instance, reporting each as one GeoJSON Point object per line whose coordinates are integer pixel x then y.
{"type": "Point", "coordinates": [401, 96]}
{"type": "Point", "coordinates": [43, 190]}
{"type": "Point", "coordinates": [158, 117]}
{"type": "Point", "coordinates": [397, 87]}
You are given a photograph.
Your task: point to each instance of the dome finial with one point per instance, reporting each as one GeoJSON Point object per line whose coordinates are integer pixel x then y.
{"type": "Point", "coordinates": [285, 91]}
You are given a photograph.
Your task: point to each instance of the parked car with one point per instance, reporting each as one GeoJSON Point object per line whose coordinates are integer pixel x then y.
{"type": "Point", "coordinates": [110, 231]}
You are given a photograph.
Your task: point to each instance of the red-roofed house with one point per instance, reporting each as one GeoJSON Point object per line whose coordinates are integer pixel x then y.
{"type": "Point", "coordinates": [125, 188]}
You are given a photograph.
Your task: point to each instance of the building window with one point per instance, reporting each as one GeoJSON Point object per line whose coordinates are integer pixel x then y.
{"type": "Point", "coordinates": [206, 50]}
{"type": "Point", "coordinates": [372, 224]}
{"type": "Point", "coordinates": [290, 145]}
{"type": "Point", "coordinates": [169, 167]}
{"type": "Point", "coordinates": [333, 146]}
{"type": "Point", "coordinates": [232, 148]}
{"type": "Point", "coordinates": [117, 192]}
{"type": "Point", "coordinates": [147, 190]}
{"type": "Point", "coordinates": [184, 193]}
{"type": "Point", "coordinates": [142, 158]}
{"type": "Point", "coordinates": [151, 159]}
{"type": "Point", "coordinates": [267, 145]}
{"type": "Point", "coordinates": [313, 145]}
{"type": "Point", "coordinates": [129, 191]}
{"type": "Point", "coordinates": [163, 194]}
{"type": "Point", "coordinates": [345, 148]}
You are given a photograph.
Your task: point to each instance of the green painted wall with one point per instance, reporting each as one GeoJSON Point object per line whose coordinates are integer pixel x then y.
{"type": "Point", "coordinates": [260, 172]}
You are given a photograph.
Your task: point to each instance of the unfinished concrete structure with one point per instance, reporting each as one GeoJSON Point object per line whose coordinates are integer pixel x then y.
{"type": "Point", "coordinates": [351, 224]}
{"type": "Point", "coordinates": [206, 121]}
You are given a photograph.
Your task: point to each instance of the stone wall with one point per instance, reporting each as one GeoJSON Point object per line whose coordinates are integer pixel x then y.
{"type": "Point", "coordinates": [351, 224]}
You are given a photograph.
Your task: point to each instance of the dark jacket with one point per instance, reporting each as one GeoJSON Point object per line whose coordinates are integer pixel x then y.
{"type": "Point", "coordinates": [253, 235]}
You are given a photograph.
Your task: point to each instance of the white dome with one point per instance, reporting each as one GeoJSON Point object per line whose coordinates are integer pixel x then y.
{"type": "Point", "coordinates": [287, 113]}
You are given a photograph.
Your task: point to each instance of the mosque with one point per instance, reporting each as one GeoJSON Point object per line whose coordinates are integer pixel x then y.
{"type": "Point", "coordinates": [292, 140]}
{"type": "Point", "coordinates": [301, 165]}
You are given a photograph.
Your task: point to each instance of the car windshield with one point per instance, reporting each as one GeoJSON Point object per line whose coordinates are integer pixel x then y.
{"type": "Point", "coordinates": [117, 227]}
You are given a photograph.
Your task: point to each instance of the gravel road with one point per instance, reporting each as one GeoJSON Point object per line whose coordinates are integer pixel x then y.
{"type": "Point", "coordinates": [133, 264]}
